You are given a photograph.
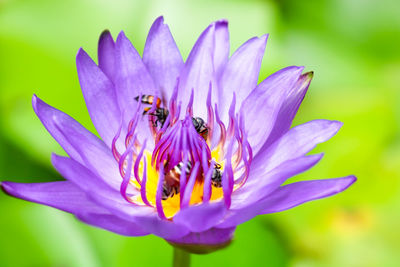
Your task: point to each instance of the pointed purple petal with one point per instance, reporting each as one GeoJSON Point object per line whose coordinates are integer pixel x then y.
{"type": "Point", "coordinates": [85, 179]}
{"type": "Point", "coordinates": [62, 195]}
{"type": "Point", "coordinates": [162, 228]}
{"type": "Point", "coordinates": [162, 57]}
{"type": "Point", "coordinates": [264, 103]}
{"type": "Point", "coordinates": [210, 237]}
{"type": "Point", "coordinates": [112, 200]}
{"type": "Point", "coordinates": [113, 224]}
{"type": "Point", "coordinates": [132, 80]}
{"type": "Point", "coordinates": [260, 185]}
{"type": "Point", "coordinates": [222, 46]}
{"type": "Point", "coordinates": [201, 217]}
{"type": "Point", "coordinates": [289, 108]}
{"type": "Point", "coordinates": [79, 143]}
{"type": "Point", "coordinates": [241, 72]}
{"type": "Point", "coordinates": [66, 196]}
{"type": "Point", "coordinates": [106, 55]}
{"type": "Point", "coordinates": [292, 195]}
{"type": "Point", "coordinates": [199, 71]}
{"type": "Point", "coordinates": [297, 142]}
{"type": "Point", "coordinates": [100, 98]}
{"type": "Point", "coordinates": [287, 197]}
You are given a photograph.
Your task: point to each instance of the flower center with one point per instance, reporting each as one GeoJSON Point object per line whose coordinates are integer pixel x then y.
{"type": "Point", "coordinates": [184, 168]}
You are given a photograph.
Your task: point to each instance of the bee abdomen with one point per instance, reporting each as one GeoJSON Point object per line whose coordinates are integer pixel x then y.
{"type": "Point", "coordinates": [169, 191]}
{"type": "Point", "coordinates": [216, 178]}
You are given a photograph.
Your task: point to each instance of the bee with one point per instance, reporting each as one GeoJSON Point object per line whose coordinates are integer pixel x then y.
{"type": "Point", "coordinates": [169, 191]}
{"type": "Point", "coordinates": [171, 183]}
{"type": "Point", "coordinates": [200, 127]}
{"type": "Point", "coordinates": [216, 178]}
{"type": "Point", "coordinates": [149, 99]}
{"type": "Point", "coordinates": [160, 114]}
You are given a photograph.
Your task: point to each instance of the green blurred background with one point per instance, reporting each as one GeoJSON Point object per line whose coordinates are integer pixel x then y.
{"type": "Point", "coordinates": [351, 45]}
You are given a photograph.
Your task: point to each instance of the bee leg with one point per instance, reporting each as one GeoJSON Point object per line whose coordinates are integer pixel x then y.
{"type": "Point", "coordinates": [155, 123]}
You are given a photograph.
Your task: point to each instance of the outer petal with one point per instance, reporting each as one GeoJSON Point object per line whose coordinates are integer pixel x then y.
{"type": "Point", "coordinates": [153, 224]}
{"type": "Point", "coordinates": [199, 71]}
{"type": "Point", "coordinates": [162, 57]}
{"type": "Point", "coordinates": [86, 180]}
{"type": "Point", "coordinates": [297, 142]}
{"type": "Point", "coordinates": [132, 80]}
{"type": "Point", "coordinates": [99, 94]}
{"type": "Point", "coordinates": [205, 242]}
{"type": "Point", "coordinates": [79, 143]}
{"type": "Point", "coordinates": [294, 194]}
{"type": "Point", "coordinates": [289, 196]}
{"type": "Point", "coordinates": [202, 217]}
{"type": "Point", "coordinates": [62, 195]}
{"type": "Point", "coordinates": [222, 46]}
{"type": "Point", "coordinates": [113, 224]}
{"type": "Point", "coordinates": [263, 184]}
{"type": "Point", "coordinates": [260, 109]}
{"type": "Point", "coordinates": [241, 73]}
{"type": "Point", "coordinates": [112, 200]}
{"type": "Point", "coordinates": [289, 108]}
{"type": "Point", "coordinates": [68, 197]}
{"type": "Point", "coordinates": [106, 55]}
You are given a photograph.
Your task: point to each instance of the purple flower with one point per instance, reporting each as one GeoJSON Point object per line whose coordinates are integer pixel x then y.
{"type": "Point", "coordinates": [188, 150]}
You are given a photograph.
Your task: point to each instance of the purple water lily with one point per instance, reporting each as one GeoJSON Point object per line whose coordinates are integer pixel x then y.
{"type": "Point", "coordinates": [188, 150]}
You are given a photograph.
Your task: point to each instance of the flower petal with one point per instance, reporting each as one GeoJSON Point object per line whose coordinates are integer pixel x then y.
{"type": "Point", "coordinates": [199, 71]}
{"type": "Point", "coordinates": [85, 179]}
{"type": "Point", "coordinates": [106, 55]}
{"type": "Point", "coordinates": [113, 201]}
{"type": "Point", "coordinates": [287, 197]}
{"type": "Point", "coordinates": [205, 242]}
{"type": "Point", "coordinates": [297, 142]}
{"type": "Point", "coordinates": [291, 195]}
{"type": "Point", "coordinates": [264, 103]}
{"type": "Point", "coordinates": [66, 196]}
{"type": "Point", "coordinates": [289, 108]}
{"type": "Point", "coordinates": [221, 53]}
{"type": "Point", "coordinates": [162, 57]}
{"type": "Point", "coordinates": [262, 184]}
{"type": "Point", "coordinates": [62, 195]}
{"type": "Point", "coordinates": [241, 73]}
{"type": "Point", "coordinates": [132, 80]}
{"type": "Point", "coordinates": [100, 98]}
{"type": "Point", "coordinates": [202, 217]}
{"type": "Point", "coordinates": [79, 143]}
{"type": "Point", "coordinates": [113, 224]}
{"type": "Point", "coordinates": [153, 224]}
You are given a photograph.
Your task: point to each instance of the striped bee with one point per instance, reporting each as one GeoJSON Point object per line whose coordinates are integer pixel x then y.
{"type": "Point", "coordinates": [171, 182]}
{"type": "Point", "coordinates": [169, 191]}
{"type": "Point", "coordinates": [216, 178]}
{"type": "Point", "coordinates": [149, 99]}
{"type": "Point", "coordinates": [200, 127]}
{"type": "Point", "coordinates": [159, 113]}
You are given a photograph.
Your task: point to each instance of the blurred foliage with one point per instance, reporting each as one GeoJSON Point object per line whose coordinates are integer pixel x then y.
{"type": "Point", "coordinates": [353, 47]}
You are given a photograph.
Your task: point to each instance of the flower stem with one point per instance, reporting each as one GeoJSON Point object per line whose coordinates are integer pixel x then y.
{"type": "Point", "coordinates": [181, 258]}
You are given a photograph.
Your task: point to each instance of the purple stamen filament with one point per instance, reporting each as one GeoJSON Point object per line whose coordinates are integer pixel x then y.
{"type": "Point", "coordinates": [181, 157]}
